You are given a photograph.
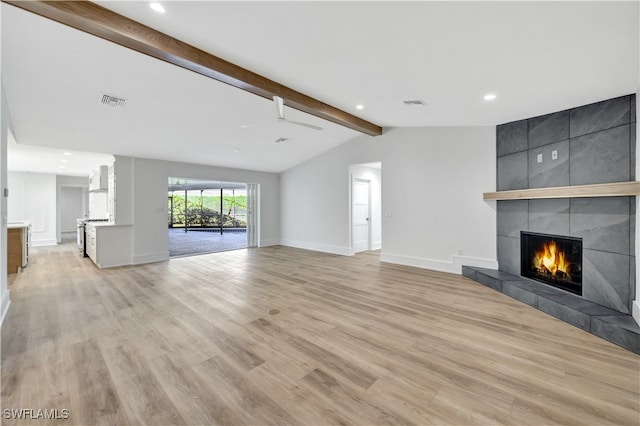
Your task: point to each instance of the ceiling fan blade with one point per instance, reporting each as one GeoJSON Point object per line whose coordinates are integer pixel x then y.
{"type": "Point", "coordinates": [311, 126]}
{"type": "Point", "coordinates": [279, 106]}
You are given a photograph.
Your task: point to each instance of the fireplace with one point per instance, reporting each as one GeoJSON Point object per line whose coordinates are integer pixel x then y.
{"type": "Point", "coordinates": [552, 259]}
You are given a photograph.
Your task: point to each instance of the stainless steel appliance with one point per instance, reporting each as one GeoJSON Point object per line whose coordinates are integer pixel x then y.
{"type": "Point", "coordinates": [81, 238]}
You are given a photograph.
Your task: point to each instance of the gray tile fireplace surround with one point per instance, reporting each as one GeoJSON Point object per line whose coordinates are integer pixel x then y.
{"type": "Point", "coordinates": [593, 144]}
{"type": "Point", "coordinates": [603, 322]}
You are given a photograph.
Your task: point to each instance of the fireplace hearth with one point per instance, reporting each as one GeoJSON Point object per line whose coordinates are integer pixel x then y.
{"type": "Point", "coordinates": [555, 260]}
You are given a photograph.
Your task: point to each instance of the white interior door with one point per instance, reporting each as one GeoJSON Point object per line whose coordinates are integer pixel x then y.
{"type": "Point", "coordinates": [360, 214]}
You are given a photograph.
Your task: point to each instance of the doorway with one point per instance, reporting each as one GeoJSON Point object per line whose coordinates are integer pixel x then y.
{"type": "Point", "coordinates": [72, 206]}
{"type": "Point", "coordinates": [365, 207]}
{"type": "Point", "coordinates": [208, 216]}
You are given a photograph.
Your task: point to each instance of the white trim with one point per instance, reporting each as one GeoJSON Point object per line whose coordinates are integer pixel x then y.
{"type": "Point", "coordinates": [150, 258]}
{"type": "Point", "coordinates": [114, 265]}
{"type": "Point", "coordinates": [635, 310]}
{"type": "Point", "coordinates": [325, 248]}
{"type": "Point", "coordinates": [376, 246]}
{"type": "Point", "coordinates": [6, 301]}
{"type": "Point", "coordinates": [42, 243]}
{"type": "Point", "coordinates": [454, 266]}
{"type": "Point", "coordinates": [269, 242]}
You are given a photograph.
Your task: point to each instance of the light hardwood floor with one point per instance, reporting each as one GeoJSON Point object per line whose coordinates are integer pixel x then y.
{"type": "Point", "coordinates": [285, 336]}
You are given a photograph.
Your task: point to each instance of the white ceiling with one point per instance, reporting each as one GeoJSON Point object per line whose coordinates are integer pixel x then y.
{"type": "Point", "coordinates": [537, 57]}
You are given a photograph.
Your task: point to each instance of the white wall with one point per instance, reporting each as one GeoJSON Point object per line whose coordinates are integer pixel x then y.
{"type": "Point", "coordinates": [32, 197]}
{"type": "Point", "coordinates": [432, 185]}
{"type": "Point", "coordinates": [5, 128]}
{"type": "Point", "coordinates": [374, 176]}
{"type": "Point", "coordinates": [148, 201]}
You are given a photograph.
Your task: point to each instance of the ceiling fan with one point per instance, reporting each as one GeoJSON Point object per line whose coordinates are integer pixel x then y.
{"type": "Point", "coordinates": [279, 103]}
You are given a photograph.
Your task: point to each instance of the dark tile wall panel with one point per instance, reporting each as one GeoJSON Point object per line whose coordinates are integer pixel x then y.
{"type": "Point", "coordinates": [632, 151]}
{"type": "Point", "coordinates": [549, 172]}
{"type": "Point", "coordinates": [600, 157]}
{"type": "Point", "coordinates": [632, 280]}
{"type": "Point", "coordinates": [548, 129]}
{"type": "Point", "coordinates": [605, 279]}
{"type": "Point", "coordinates": [509, 255]}
{"type": "Point", "coordinates": [549, 216]}
{"type": "Point", "coordinates": [632, 226]}
{"type": "Point", "coordinates": [600, 116]}
{"type": "Point", "coordinates": [512, 171]}
{"type": "Point", "coordinates": [603, 223]}
{"type": "Point", "coordinates": [512, 138]}
{"type": "Point", "coordinates": [513, 217]}
{"type": "Point", "coordinates": [596, 144]}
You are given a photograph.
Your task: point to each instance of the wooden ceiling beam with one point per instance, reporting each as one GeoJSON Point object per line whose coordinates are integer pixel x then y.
{"type": "Point", "coordinates": [106, 24]}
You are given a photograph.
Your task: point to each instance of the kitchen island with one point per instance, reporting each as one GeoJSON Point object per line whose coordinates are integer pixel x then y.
{"type": "Point", "coordinates": [18, 242]}
{"type": "Point", "coordinates": [109, 244]}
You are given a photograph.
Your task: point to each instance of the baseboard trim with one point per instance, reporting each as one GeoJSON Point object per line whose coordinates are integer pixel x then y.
{"type": "Point", "coordinates": [269, 242]}
{"type": "Point", "coordinates": [376, 246]}
{"type": "Point", "coordinates": [6, 301]}
{"type": "Point", "coordinates": [43, 243]}
{"type": "Point", "coordinates": [150, 258]}
{"type": "Point", "coordinates": [324, 248]}
{"type": "Point", "coordinates": [454, 266]}
{"type": "Point", "coordinates": [635, 310]}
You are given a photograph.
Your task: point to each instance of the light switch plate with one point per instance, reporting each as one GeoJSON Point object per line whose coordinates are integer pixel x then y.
{"type": "Point", "coordinates": [539, 158]}
{"type": "Point", "coordinates": [554, 154]}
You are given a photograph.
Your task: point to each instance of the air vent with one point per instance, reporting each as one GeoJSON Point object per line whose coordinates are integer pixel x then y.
{"type": "Point", "coordinates": [280, 140]}
{"type": "Point", "coordinates": [415, 102]}
{"type": "Point", "coordinates": [112, 101]}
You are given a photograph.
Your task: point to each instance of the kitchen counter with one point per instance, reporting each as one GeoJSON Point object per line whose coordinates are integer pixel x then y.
{"type": "Point", "coordinates": [18, 242]}
{"type": "Point", "coordinates": [103, 224]}
{"type": "Point", "coordinates": [18, 225]}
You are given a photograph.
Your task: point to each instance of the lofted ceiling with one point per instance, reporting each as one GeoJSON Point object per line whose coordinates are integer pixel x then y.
{"type": "Point", "coordinates": [537, 57]}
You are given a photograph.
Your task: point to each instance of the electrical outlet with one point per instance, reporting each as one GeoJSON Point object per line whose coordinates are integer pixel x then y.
{"type": "Point", "coordinates": [539, 158]}
{"type": "Point", "coordinates": [554, 154]}
{"type": "Point", "coordinates": [459, 252]}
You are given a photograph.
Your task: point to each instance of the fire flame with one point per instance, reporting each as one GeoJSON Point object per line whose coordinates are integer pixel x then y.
{"type": "Point", "coordinates": [551, 259]}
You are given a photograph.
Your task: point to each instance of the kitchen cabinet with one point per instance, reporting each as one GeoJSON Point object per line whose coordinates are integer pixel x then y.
{"type": "Point", "coordinates": [111, 193]}
{"type": "Point", "coordinates": [18, 242]}
{"type": "Point", "coordinates": [109, 245]}
{"type": "Point", "coordinates": [98, 179]}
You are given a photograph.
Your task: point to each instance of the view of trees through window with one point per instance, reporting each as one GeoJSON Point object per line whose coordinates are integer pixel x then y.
{"type": "Point", "coordinates": [202, 208]}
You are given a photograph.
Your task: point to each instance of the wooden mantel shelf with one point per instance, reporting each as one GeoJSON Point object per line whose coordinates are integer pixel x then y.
{"type": "Point", "coordinates": [617, 189]}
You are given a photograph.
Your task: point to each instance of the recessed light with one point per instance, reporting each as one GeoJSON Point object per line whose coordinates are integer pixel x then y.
{"type": "Point", "coordinates": [64, 161]}
{"type": "Point", "coordinates": [61, 167]}
{"type": "Point", "coordinates": [489, 96]}
{"type": "Point", "coordinates": [66, 153]}
{"type": "Point", "coordinates": [359, 106]}
{"type": "Point", "coordinates": [157, 7]}
{"type": "Point", "coordinates": [236, 150]}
